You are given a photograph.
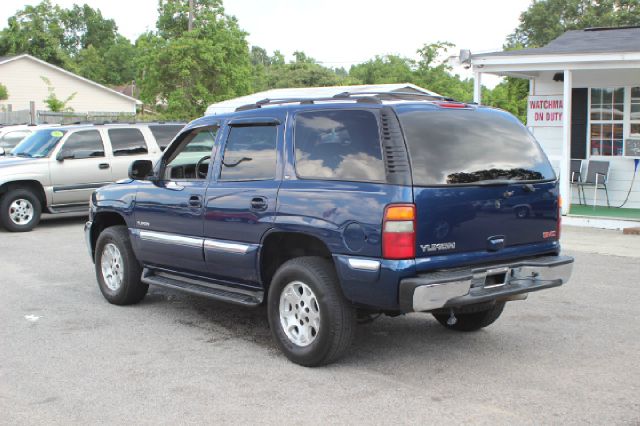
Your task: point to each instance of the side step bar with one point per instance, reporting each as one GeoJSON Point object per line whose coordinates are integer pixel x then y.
{"type": "Point", "coordinates": [203, 288]}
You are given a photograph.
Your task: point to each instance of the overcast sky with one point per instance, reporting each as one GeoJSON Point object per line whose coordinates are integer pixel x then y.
{"type": "Point", "coordinates": [339, 32]}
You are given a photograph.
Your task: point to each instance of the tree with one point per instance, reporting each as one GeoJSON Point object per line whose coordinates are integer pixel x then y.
{"type": "Point", "coordinates": [4, 93]}
{"type": "Point", "coordinates": [545, 20]}
{"type": "Point", "coordinates": [84, 27]}
{"type": "Point", "coordinates": [188, 70]}
{"type": "Point", "coordinates": [52, 101]}
{"type": "Point", "coordinates": [38, 31]}
{"type": "Point", "coordinates": [383, 69]}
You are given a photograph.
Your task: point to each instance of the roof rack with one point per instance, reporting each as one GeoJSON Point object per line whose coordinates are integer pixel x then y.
{"type": "Point", "coordinates": [359, 97]}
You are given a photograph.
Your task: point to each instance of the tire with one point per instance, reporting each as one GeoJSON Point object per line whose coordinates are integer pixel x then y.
{"type": "Point", "coordinates": [119, 278]}
{"type": "Point", "coordinates": [472, 321]}
{"type": "Point", "coordinates": [331, 316]}
{"type": "Point", "coordinates": [20, 210]}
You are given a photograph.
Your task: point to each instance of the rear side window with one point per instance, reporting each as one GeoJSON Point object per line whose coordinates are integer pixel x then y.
{"type": "Point", "coordinates": [338, 145]}
{"type": "Point", "coordinates": [458, 147]}
{"type": "Point", "coordinates": [127, 142]}
{"type": "Point", "coordinates": [250, 154]}
{"type": "Point", "coordinates": [165, 133]}
{"type": "Point", "coordinates": [85, 144]}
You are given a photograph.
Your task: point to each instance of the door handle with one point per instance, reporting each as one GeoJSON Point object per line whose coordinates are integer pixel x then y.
{"type": "Point", "coordinates": [195, 201]}
{"type": "Point", "coordinates": [259, 204]}
{"type": "Point", "coordinates": [103, 165]}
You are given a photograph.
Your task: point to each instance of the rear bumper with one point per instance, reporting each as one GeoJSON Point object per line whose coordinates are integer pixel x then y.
{"type": "Point", "coordinates": [453, 288]}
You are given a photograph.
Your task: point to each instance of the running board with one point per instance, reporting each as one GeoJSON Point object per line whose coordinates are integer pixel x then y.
{"type": "Point", "coordinates": [69, 208]}
{"type": "Point", "coordinates": [203, 288]}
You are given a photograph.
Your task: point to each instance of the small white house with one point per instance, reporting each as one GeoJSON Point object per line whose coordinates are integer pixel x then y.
{"type": "Point", "coordinates": [22, 76]}
{"type": "Point", "coordinates": [312, 92]}
{"type": "Point", "coordinates": [584, 103]}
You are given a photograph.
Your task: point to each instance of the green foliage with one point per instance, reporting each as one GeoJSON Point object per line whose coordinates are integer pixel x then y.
{"type": "Point", "coordinates": [4, 93]}
{"type": "Point", "coordinates": [510, 95]}
{"type": "Point", "coordinates": [38, 31]}
{"type": "Point", "coordinates": [545, 20]}
{"type": "Point", "coordinates": [52, 101]}
{"type": "Point", "coordinates": [188, 70]}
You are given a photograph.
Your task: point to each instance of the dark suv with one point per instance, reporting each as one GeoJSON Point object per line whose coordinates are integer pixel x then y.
{"type": "Point", "coordinates": [332, 209]}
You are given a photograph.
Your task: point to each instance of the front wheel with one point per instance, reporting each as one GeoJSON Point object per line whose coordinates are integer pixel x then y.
{"type": "Point", "coordinates": [310, 319]}
{"type": "Point", "coordinates": [472, 321]}
{"type": "Point", "coordinates": [117, 269]}
{"type": "Point", "coordinates": [20, 210]}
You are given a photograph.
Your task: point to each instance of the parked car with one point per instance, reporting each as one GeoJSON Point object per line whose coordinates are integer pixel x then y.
{"type": "Point", "coordinates": [10, 136]}
{"type": "Point", "coordinates": [56, 169]}
{"type": "Point", "coordinates": [325, 209]}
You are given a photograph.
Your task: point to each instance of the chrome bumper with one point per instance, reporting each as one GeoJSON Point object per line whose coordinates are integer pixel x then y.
{"type": "Point", "coordinates": [87, 237]}
{"type": "Point", "coordinates": [444, 289]}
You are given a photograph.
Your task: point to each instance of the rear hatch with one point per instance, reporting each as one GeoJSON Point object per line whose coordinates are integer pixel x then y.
{"type": "Point", "coordinates": [481, 181]}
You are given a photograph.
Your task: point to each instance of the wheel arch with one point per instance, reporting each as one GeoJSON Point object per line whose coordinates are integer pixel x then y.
{"type": "Point", "coordinates": [279, 246]}
{"type": "Point", "coordinates": [101, 221]}
{"type": "Point", "coordinates": [30, 184]}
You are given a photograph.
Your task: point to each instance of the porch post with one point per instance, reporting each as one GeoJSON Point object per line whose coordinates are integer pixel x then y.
{"type": "Point", "coordinates": [477, 87]}
{"type": "Point", "coordinates": [565, 162]}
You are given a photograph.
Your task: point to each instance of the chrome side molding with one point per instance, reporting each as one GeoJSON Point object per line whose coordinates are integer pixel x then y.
{"type": "Point", "coordinates": [236, 248]}
{"type": "Point", "coordinates": [167, 238]}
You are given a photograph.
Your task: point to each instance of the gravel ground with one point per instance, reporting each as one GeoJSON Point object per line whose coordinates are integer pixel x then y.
{"type": "Point", "coordinates": [566, 355]}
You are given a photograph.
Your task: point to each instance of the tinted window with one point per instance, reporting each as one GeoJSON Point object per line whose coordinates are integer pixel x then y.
{"type": "Point", "coordinates": [250, 153]}
{"type": "Point", "coordinates": [11, 139]}
{"type": "Point", "coordinates": [84, 145]}
{"type": "Point", "coordinates": [127, 142]}
{"type": "Point", "coordinates": [342, 145]}
{"type": "Point", "coordinates": [470, 146]}
{"type": "Point", "coordinates": [164, 134]}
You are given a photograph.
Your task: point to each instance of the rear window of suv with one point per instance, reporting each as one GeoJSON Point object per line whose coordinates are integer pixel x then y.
{"type": "Point", "coordinates": [164, 133]}
{"type": "Point", "coordinates": [468, 147]}
{"type": "Point", "coordinates": [338, 145]}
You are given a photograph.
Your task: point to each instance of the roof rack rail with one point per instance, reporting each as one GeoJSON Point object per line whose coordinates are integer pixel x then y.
{"type": "Point", "coordinates": [359, 97]}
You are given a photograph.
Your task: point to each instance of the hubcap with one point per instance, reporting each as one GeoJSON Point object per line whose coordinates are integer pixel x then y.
{"type": "Point", "coordinates": [21, 211]}
{"type": "Point", "coordinates": [299, 313]}
{"type": "Point", "coordinates": [112, 266]}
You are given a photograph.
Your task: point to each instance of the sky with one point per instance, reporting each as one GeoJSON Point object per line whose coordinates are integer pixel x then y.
{"type": "Point", "coordinates": [339, 33]}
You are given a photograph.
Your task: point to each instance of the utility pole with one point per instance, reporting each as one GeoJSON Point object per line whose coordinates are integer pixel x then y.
{"type": "Point", "coordinates": [190, 15]}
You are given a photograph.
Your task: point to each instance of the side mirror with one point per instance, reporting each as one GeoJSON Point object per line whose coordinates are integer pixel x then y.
{"type": "Point", "coordinates": [141, 170]}
{"type": "Point", "coordinates": [2, 152]}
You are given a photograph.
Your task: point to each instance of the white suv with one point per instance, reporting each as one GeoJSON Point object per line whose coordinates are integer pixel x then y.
{"type": "Point", "coordinates": [56, 169]}
{"type": "Point", "coordinates": [10, 136]}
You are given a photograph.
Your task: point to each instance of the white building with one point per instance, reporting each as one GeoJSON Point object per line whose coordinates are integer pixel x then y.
{"type": "Point", "coordinates": [312, 92]}
{"type": "Point", "coordinates": [22, 76]}
{"type": "Point", "coordinates": [584, 103]}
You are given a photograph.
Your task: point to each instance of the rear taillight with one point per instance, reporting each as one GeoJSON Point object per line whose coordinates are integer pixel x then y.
{"type": "Point", "coordinates": [559, 224]}
{"type": "Point", "coordinates": [399, 232]}
{"type": "Point", "coordinates": [452, 105]}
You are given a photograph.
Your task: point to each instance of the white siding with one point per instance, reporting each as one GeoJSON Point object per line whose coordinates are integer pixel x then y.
{"type": "Point", "coordinates": [22, 77]}
{"type": "Point", "coordinates": [621, 169]}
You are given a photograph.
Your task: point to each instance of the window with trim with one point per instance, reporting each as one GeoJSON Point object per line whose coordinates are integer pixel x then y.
{"type": "Point", "coordinates": [607, 111]}
{"type": "Point", "coordinates": [83, 144]}
{"type": "Point", "coordinates": [634, 118]}
{"type": "Point", "coordinates": [190, 160]}
{"type": "Point", "coordinates": [338, 145]}
{"type": "Point", "coordinates": [250, 154]}
{"type": "Point", "coordinates": [127, 142]}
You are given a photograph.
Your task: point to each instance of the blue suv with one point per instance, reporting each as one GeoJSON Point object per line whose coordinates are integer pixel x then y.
{"type": "Point", "coordinates": [332, 210]}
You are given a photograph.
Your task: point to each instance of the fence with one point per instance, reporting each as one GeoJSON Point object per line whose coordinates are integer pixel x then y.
{"type": "Point", "coordinates": [15, 117]}
{"type": "Point", "coordinates": [31, 116]}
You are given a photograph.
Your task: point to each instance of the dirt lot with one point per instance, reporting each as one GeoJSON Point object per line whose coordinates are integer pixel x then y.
{"type": "Point", "coordinates": [567, 355]}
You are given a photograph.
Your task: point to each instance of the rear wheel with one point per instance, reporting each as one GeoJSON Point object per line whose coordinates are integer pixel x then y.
{"type": "Point", "coordinates": [310, 319]}
{"type": "Point", "coordinates": [472, 321]}
{"type": "Point", "coordinates": [117, 269]}
{"type": "Point", "coordinates": [20, 210]}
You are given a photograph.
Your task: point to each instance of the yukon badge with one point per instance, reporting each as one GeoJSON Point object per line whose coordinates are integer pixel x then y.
{"type": "Point", "coordinates": [141, 223]}
{"type": "Point", "coordinates": [429, 248]}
